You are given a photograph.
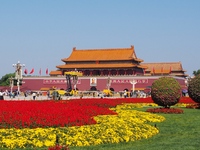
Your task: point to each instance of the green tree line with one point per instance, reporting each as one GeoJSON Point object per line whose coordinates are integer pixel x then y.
{"type": "Point", "coordinates": [5, 80]}
{"type": "Point", "coordinates": [195, 73]}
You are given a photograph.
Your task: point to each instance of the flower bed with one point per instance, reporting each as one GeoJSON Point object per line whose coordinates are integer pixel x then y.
{"type": "Point", "coordinates": [78, 122]}
{"type": "Point", "coordinates": [127, 125]}
{"type": "Point", "coordinates": [32, 114]}
{"type": "Point", "coordinates": [194, 106]}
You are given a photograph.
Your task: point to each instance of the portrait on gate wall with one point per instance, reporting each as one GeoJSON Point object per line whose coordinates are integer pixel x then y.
{"type": "Point", "coordinates": [93, 81]}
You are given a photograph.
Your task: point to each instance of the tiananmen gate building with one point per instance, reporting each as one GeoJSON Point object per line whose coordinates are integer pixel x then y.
{"type": "Point", "coordinates": [120, 66]}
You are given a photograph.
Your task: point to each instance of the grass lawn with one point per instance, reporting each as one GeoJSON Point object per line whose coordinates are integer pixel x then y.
{"type": "Point", "coordinates": [177, 132]}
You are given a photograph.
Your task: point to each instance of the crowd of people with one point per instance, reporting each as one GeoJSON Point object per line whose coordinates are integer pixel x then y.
{"type": "Point", "coordinates": [16, 93]}
{"type": "Point", "coordinates": [137, 93]}
{"type": "Point", "coordinates": [56, 96]}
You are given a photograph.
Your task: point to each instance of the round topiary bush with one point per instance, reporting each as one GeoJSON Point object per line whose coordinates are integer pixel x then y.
{"type": "Point", "coordinates": [166, 91]}
{"type": "Point", "coordinates": [194, 89]}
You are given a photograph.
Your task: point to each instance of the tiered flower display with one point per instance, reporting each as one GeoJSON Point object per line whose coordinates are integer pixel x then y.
{"type": "Point", "coordinates": [166, 91]}
{"type": "Point", "coordinates": [194, 89]}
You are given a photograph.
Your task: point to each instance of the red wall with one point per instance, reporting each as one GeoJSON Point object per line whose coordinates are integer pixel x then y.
{"type": "Point", "coordinates": [118, 83]}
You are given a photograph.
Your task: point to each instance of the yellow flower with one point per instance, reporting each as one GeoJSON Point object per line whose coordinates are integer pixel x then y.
{"type": "Point", "coordinates": [128, 125]}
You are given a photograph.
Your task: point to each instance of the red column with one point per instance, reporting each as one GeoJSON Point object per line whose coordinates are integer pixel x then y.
{"type": "Point", "coordinates": [124, 72]}
{"type": "Point", "coordinates": [133, 72]}
{"type": "Point", "coordinates": [101, 72]}
{"type": "Point", "coordinates": [83, 72]}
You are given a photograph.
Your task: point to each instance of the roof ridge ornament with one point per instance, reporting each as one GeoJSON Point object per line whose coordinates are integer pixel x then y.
{"type": "Point", "coordinates": [134, 54]}
{"type": "Point", "coordinates": [132, 46]}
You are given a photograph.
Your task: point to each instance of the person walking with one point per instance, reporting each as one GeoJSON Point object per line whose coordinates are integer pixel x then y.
{"type": "Point", "coordinates": [34, 95]}
{"type": "Point", "coordinates": [125, 94]}
{"type": "Point", "coordinates": [1, 95]}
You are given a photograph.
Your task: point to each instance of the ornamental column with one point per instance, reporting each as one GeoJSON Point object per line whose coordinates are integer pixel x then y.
{"type": "Point", "coordinates": [18, 74]}
{"type": "Point", "coordinates": [133, 85]}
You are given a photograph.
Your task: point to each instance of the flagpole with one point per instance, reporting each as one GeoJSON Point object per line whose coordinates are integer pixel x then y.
{"type": "Point", "coordinates": [47, 71]}
{"type": "Point", "coordinates": [40, 72]}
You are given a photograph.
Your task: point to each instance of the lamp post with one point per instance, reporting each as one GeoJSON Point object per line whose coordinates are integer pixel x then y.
{"type": "Point", "coordinates": [75, 79]}
{"type": "Point", "coordinates": [18, 74]}
{"type": "Point", "coordinates": [11, 84]}
{"type": "Point", "coordinates": [108, 83]}
{"type": "Point", "coordinates": [133, 84]}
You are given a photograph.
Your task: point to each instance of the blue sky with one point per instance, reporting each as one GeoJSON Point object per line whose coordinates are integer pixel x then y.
{"type": "Point", "coordinates": [39, 33]}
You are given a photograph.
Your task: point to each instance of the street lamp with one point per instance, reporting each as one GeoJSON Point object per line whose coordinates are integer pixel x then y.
{"type": "Point", "coordinates": [108, 82]}
{"type": "Point", "coordinates": [133, 85]}
{"type": "Point", "coordinates": [75, 79]}
{"type": "Point", "coordinates": [11, 84]}
{"type": "Point", "coordinates": [18, 74]}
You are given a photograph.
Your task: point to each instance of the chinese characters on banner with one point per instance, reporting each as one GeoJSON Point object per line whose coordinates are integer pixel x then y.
{"type": "Point", "coordinates": [93, 81]}
{"type": "Point", "coordinates": [128, 80]}
{"type": "Point", "coordinates": [58, 81]}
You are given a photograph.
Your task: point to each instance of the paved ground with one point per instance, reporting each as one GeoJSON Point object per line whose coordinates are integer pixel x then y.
{"type": "Point", "coordinates": [46, 98]}
{"type": "Point", "coordinates": [37, 98]}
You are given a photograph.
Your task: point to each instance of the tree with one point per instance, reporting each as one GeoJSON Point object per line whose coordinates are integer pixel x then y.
{"type": "Point", "coordinates": [194, 89]}
{"type": "Point", "coordinates": [5, 80]}
{"type": "Point", "coordinates": [166, 91]}
{"type": "Point", "coordinates": [195, 73]}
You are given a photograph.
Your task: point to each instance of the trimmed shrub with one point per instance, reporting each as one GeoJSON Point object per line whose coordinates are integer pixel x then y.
{"type": "Point", "coordinates": [194, 89]}
{"type": "Point", "coordinates": [166, 91]}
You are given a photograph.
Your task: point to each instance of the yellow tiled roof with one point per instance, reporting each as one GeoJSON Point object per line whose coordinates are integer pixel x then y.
{"type": "Point", "coordinates": [57, 72]}
{"type": "Point", "coordinates": [164, 66]}
{"type": "Point", "coordinates": [103, 54]}
{"type": "Point", "coordinates": [160, 71]}
{"type": "Point", "coordinates": [85, 66]}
